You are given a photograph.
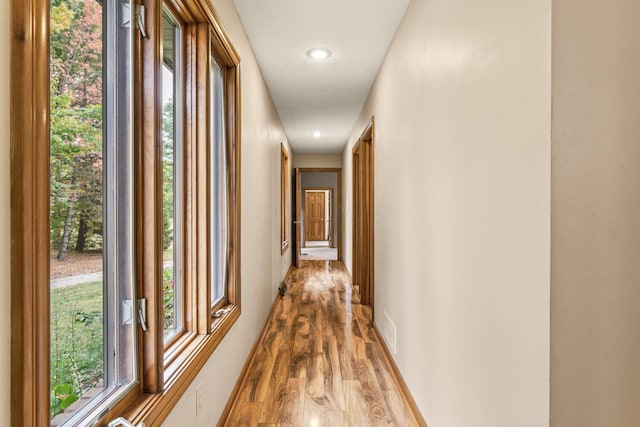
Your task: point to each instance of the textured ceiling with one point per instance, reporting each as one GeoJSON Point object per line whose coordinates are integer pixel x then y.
{"type": "Point", "coordinates": [327, 95]}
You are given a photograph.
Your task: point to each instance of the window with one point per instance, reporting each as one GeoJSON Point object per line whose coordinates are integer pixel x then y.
{"type": "Point", "coordinates": [91, 328]}
{"type": "Point", "coordinates": [219, 187]}
{"type": "Point", "coordinates": [143, 151]}
{"type": "Point", "coordinates": [172, 290]}
{"type": "Point", "coordinates": [285, 197]}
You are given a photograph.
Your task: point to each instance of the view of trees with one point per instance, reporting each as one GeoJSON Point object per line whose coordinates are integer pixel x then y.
{"type": "Point", "coordinates": [76, 130]}
{"type": "Point", "coordinates": [76, 196]}
{"type": "Point", "coordinates": [76, 142]}
{"type": "Point", "coordinates": [76, 126]}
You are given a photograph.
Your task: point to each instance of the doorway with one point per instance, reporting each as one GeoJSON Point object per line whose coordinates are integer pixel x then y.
{"type": "Point", "coordinates": [315, 216]}
{"type": "Point", "coordinates": [363, 248]}
{"type": "Point", "coordinates": [318, 218]}
{"type": "Point", "coordinates": [318, 229]}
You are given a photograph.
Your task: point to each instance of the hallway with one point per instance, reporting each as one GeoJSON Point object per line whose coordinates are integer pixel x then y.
{"type": "Point", "coordinates": [496, 200]}
{"type": "Point", "coordinates": [319, 362]}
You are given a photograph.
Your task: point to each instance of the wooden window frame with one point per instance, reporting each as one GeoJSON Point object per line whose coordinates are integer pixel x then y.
{"type": "Point", "coordinates": [285, 198]}
{"type": "Point", "coordinates": [165, 372]}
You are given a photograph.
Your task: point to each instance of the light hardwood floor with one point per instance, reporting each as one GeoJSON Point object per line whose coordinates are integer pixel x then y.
{"type": "Point", "coordinates": [319, 363]}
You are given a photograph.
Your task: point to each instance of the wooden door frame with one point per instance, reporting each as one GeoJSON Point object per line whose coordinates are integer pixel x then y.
{"type": "Point", "coordinates": [338, 172]}
{"type": "Point", "coordinates": [296, 250]}
{"type": "Point", "coordinates": [307, 193]}
{"type": "Point", "coordinates": [362, 157]}
{"type": "Point", "coordinates": [330, 239]}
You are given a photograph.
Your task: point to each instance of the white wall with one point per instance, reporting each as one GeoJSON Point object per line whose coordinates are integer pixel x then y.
{"type": "Point", "coordinates": [317, 161]}
{"type": "Point", "coordinates": [462, 208]}
{"type": "Point", "coordinates": [262, 265]}
{"type": "Point", "coordinates": [5, 259]}
{"type": "Point", "coordinates": [595, 338]}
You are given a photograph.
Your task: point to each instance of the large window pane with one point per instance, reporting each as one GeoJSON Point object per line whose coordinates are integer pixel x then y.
{"type": "Point", "coordinates": [219, 186]}
{"type": "Point", "coordinates": [91, 333]}
{"type": "Point", "coordinates": [171, 181]}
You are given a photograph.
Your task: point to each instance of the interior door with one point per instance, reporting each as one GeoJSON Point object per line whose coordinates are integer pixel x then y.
{"type": "Point", "coordinates": [295, 239]}
{"type": "Point", "coordinates": [314, 216]}
{"type": "Point", "coordinates": [330, 210]}
{"type": "Point", "coordinates": [363, 216]}
{"type": "Point", "coordinates": [357, 219]}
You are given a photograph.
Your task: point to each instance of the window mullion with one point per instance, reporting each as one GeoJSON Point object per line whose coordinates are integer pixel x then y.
{"type": "Point", "coordinates": [149, 200]}
{"type": "Point", "coordinates": [189, 242]}
{"type": "Point", "coordinates": [233, 115]}
{"type": "Point", "coordinates": [29, 213]}
{"type": "Point", "coordinates": [202, 190]}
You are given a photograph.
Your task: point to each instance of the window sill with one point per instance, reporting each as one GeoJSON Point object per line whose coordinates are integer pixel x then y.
{"type": "Point", "coordinates": [153, 409]}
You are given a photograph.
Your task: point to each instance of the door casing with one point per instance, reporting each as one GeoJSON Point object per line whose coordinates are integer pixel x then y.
{"type": "Point", "coordinates": [363, 215]}
{"type": "Point", "coordinates": [311, 218]}
{"type": "Point", "coordinates": [297, 222]}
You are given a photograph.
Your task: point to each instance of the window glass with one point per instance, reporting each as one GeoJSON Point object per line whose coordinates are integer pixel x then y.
{"type": "Point", "coordinates": [92, 329]}
{"type": "Point", "coordinates": [171, 181]}
{"type": "Point", "coordinates": [219, 186]}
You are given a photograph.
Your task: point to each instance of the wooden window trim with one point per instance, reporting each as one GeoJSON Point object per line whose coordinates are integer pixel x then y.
{"type": "Point", "coordinates": [285, 197]}
{"type": "Point", "coordinates": [175, 365]}
{"type": "Point", "coordinates": [29, 202]}
{"type": "Point", "coordinates": [161, 384]}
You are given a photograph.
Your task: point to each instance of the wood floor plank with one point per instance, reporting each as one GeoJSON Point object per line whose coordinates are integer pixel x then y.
{"type": "Point", "coordinates": [271, 350]}
{"type": "Point", "coordinates": [371, 393]}
{"type": "Point", "coordinates": [356, 412]}
{"type": "Point", "coordinates": [335, 419]}
{"type": "Point", "coordinates": [249, 414]}
{"type": "Point", "coordinates": [333, 380]}
{"type": "Point", "coordinates": [293, 409]}
{"type": "Point", "coordinates": [319, 363]}
{"type": "Point", "coordinates": [275, 398]}
{"type": "Point", "coordinates": [314, 413]}
{"type": "Point", "coordinates": [315, 380]}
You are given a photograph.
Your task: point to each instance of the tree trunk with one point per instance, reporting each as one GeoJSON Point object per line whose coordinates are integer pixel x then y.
{"type": "Point", "coordinates": [82, 236]}
{"type": "Point", "coordinates": [66, 235]}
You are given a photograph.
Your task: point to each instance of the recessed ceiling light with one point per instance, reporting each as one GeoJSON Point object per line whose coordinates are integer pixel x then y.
{"type": "Point", "coordinates": [318, 53]}
{"type": "Point", "coordinates": [316, 134]}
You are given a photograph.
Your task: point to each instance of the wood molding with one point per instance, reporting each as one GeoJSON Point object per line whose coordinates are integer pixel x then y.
{"type": "Point", "coordinates": [397, 377]}
{"type": "Point", "coordinates": [363, 214]}
{"type": "Point", "coordinates": [234, 151]}
{"type": "Point", "coordinates": [285, 198]}
{"type": "Point", "coordinates": [338, 170]}
{"type": "Point", "coordinates": [29, 212]}
{"type": "Point", "coordinates": [148, 203]}
{"type": "Point", "coordinates": [200, 246]}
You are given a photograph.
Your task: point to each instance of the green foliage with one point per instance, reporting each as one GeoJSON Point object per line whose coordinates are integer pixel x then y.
{"type": "Point", "coordinates": [76, 342]}
{"type": "Point", "coordinates": [168, 299]}
{"type": "Point", "coordinates": [76, 121]}
{"type": "Point", "coordinates": [76, 146]}
{"type": "Point", "coordinates": [62, 397]}
{"type": "Point", "coordinates": [168, 174]}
